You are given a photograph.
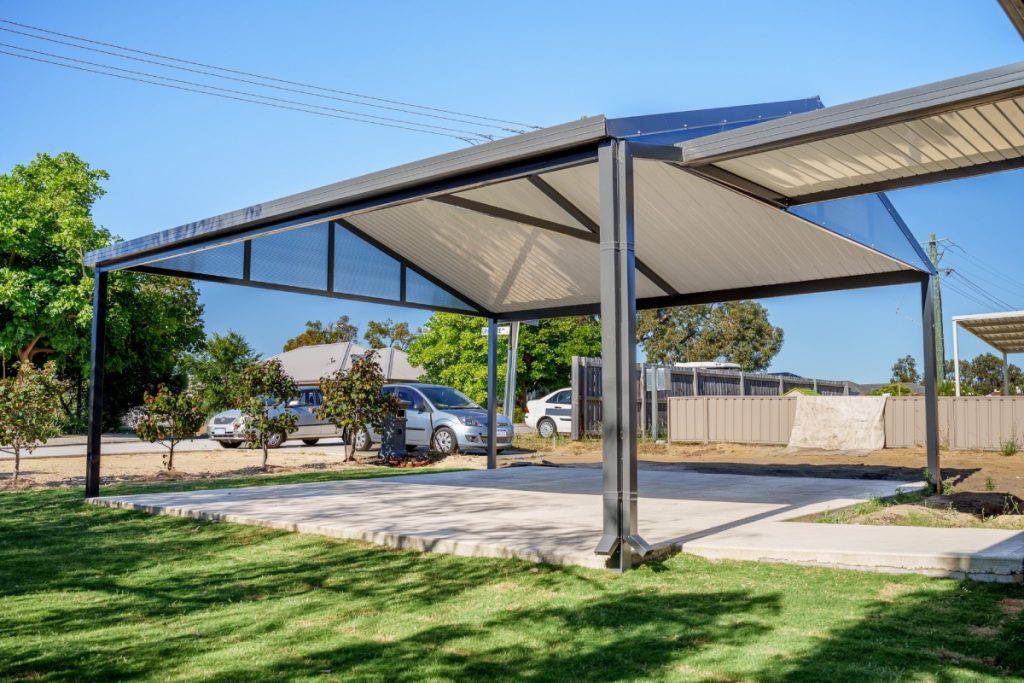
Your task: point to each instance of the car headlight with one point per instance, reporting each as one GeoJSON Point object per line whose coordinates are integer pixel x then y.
{"type": "Point", "coordinates": [470, 421]}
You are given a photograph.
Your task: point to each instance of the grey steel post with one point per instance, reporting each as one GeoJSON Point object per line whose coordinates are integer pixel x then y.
{"type": "Point", "coordinates": [743, 387]}
{"type": "Point", "coordinates": [1006, 376]}
{"type": "Point", "coordinates": [510, 371]}
{"type": "Point", "coordinates": [696, 383]}
{"type": "Point", "coordinates": [956, 358]}
{"type": "Point", "coordinates": [96, 360]}
{"type": "Point", "coordinates": [931, 400]}
{"type": "Point", "coordinates": [492, 394]}
{"type": "Point", "coordinates": [618, 353]}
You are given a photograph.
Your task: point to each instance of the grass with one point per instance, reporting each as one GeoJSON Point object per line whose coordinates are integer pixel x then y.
{"type": "Point", "coordinates": [90, 593]}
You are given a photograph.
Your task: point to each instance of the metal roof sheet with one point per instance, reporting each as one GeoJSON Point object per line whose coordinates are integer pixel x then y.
{"type": "Point", "coordinates": [1002, 331]}
{"type": "Point", "coordinates": [951, 129]}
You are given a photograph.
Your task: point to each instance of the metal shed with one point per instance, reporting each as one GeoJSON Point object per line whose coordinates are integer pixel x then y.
{"type": "Point", "coordinates": [598, 216]}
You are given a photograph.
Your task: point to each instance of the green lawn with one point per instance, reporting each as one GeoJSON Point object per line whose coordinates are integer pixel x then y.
{"type": "Point", "coordinates": [91, 593]}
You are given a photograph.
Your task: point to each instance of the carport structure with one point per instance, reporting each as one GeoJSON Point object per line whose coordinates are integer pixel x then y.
{"type": "Point", "coordinates": [1002, 331]}
{"type": "Point", "coordinates": [608, 216]}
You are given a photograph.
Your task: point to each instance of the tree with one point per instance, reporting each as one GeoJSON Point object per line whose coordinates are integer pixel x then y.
{"type": "Point", "coordinates": [46, 227]}
{"type": "Point", "coordinates": [452, 351]}
{"type": "Point", "coordinates": [266, 389]}
{"type": "Point", "coordinates": [170, 417]}
{"type": "Point", "coordinates": [388, 335]}
{"type": "Point", "coordinates": [353, 400]}
{"type": "Point", "coordinates": [215, 370]}
{"type": "Point", "coordinates": [318, 333]}
{"type": "Point", "coordinates": [738, 332]}
{"type": "Point", "coordinates": [983, 375]}
{"type": "Point", "coordinates": [904, 371]}
{"type": "Point", "coordinates": [29, 412]}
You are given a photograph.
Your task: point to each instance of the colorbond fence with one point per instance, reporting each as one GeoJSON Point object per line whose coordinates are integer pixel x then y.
{"type": "Point", "coordinates": [586, 388]}
{"type": "Point", "coordinates": [965, 422]}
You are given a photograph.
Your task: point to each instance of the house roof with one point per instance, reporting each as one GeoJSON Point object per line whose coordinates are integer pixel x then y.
{"type": "Point", "coordinates": [1002, 331]}
{"type": "Point", "coordinates": [308, 364]}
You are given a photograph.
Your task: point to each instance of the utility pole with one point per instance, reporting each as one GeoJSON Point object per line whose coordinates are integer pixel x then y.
{"type": "Point", "coordinates": [940, 349]}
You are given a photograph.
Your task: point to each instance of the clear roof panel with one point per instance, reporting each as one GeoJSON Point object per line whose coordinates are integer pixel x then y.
{"type": "Point", "coordinates": [297, 258]}
{"type": "Point", "coordinates": [362, 269]}
{"type": "Point", "coordinates": [868, 220]}
{"type": "Point", "coordinates": [226, 261]}
{"type": "Point", "coordinates": [420, 290]}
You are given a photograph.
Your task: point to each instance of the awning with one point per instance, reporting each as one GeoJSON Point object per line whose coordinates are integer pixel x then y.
{"type": "Point", "coordinates": [509, 229]}
{"type": "Point", "coordinates": [1002, 331]}
{"type": "Point", "coordinates": [951, 129]}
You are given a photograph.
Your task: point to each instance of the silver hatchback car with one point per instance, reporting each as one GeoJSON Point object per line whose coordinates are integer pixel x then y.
{"type": "Point", "coordinates": [227, 428]}
{"type": "Point", "coordinates": [443, 419]}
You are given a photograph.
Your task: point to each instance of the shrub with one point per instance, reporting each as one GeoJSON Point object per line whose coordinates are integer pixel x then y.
{"type": "Point", "coordinates": [353, 400]}
{"type": "Point", "coordinates": [170, 418]}
{"type": "Point", "coordinates": [30, 411]}
{"type": "Point", "coordinates": [266, 389]}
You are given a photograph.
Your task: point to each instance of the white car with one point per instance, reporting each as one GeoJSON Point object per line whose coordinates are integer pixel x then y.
{"type": "Point", "coordinates": [551, 414]}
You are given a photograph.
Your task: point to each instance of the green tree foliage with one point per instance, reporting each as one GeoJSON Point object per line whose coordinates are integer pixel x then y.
{"type": "Point", "coordinates": [983, 375]}
{"type": "Point", "coordinates": [215, 370]}
{"type": "Point", "coordinates": [46, 227]}
{"type": "Point", "coordinates": [265, 391]}
{"type": "Point", "coordinates": [170, 418]}
{"type": "Point", "coordinates": [388, 335]}
{"type": "Point", "coordinates": [894, 389]}
{"type": "Point", "coordinates": [29, 412]}
{"type": "Point", "coordinates": [353, 400]}
{"type": "Point", "coordinates": [317, 333]}
{"type": "Point", "coordinates": [904, 371]}
{"type": "Point", "coordinates": [738, 332]}
{"type": "Point", "coordinates": [452, 351]}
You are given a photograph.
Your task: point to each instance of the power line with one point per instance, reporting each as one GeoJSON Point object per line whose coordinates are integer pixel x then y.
{"type": "Point", "coordinates": [970, 297]}
{"type": "Point", "coordinates": [239, 99]}
{"type": "Point", "coordinates": [257, 83]}
{"type": "Point", "coordinates": [982, 291]}
{"type": "Point", "coordinates": [987, 266]}
{"type": "Point", "coordinates": [267, 78]}
{"type": "Point", "coordinates": [249, 94]}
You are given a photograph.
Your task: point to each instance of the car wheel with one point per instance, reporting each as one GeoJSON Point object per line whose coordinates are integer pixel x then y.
{"type": "Point", "coordinates": [546, 428]}
{"type": "Point", "coordinates": [362, 442]}
{"type": "Point", "coordinates": [230, 444]}
{"type": "Point", "coordinates": [310, 442]}
{"type": "Point", "coordinates": [275, 440]}
{"type": "Point", "coordinates": [445, 441]}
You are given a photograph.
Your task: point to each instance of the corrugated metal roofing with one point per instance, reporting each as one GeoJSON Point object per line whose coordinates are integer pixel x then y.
{"type": "Point", "coordinates": [1002, 331]}
{"type": "Point", "coordinates": [954, 128]}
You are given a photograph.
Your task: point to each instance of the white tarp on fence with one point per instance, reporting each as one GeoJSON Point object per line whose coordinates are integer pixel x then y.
{"type": "Point", "coordinates": [839, 423]}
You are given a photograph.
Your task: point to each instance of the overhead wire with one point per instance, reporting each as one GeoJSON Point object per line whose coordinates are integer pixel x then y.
{"type": "Point", "coordinates": [274, 79]}
{"type": "Point", "coordinates": [239, 99]}
{"type": "Point", "coordinates": [250, 94]}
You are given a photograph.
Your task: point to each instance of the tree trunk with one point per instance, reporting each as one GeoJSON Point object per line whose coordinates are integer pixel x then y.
{"type": "Point", "coordinates": [17, 463]}
{"type": "Point", "coordinates": [263, 442]}
{"type": "Point", "coordinates": [170, 457]}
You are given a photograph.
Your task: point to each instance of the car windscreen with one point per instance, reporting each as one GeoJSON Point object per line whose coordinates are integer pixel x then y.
{"type": "Point", "coordinates": [446, 398]}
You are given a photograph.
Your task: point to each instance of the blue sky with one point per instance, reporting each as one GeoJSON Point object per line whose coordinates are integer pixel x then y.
{"type": "Point", "coordinates": [176, 157]}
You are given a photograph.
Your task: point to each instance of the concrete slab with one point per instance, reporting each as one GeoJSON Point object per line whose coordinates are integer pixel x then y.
{"type": "Point", "coordinates": [553, 515]}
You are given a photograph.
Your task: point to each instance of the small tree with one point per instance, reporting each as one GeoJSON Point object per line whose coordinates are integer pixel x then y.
{"type": "Point", "coordinates": [170, 418]}
{"type": "Point", "coordinates": [904, 371]}
{"type": "Point", "coordinates": [266, 389]}
{"type": "Point", "coordinates": [353, 400]}
{"type": "Point", "coordinates": [30, 410]}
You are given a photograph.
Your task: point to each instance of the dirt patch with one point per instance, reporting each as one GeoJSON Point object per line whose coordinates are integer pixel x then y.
{"type": "Point", "coordinates": [979, 471]}
{"type": "Point", "coordinates": [1011, 606]}
{"type": "Point", "coordinates": [984, 631]}
{"type": "Point", "coordinates": [192, 465]}
{"type": "Point", "coordinates": [982, 505]}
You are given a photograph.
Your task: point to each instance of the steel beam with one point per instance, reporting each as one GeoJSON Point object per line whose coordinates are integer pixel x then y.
{"type": "Point", "coordinates": [956, 356]}
{"type": "Point", "coordinates": [618, 351]}
{"type": "Point", "coordinates": [492, 393]}
{"type": "Point", "coordinates": [931, 400]}
{"type": "Point", "coordinates": [96, 372]}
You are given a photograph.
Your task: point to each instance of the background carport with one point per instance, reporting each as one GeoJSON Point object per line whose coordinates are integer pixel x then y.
{"type": "Point", "coordinates": [1002, 331]}
{"type": "Point", "coordinates": [595, 216]}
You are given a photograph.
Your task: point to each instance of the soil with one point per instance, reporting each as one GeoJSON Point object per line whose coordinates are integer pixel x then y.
{"type": "Point", "coordinates": [977, 471]}
{"type": "Point", "coordinates": [148, 467]}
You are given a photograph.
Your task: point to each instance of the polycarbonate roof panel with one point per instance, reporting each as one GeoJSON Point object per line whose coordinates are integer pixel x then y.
{"type": "Point", "coordinates": [362, 269]}
{"type": "Point", "coordinates": [1002, 331]}
{"type": "Point", "coordinates": [732, 240]}
{"type": "Point", "coordinates": [226, 261]}
{"type": "Point", "coordinates": [297, 258]}
{"type": "Point", "coordinates": [866, 219]}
